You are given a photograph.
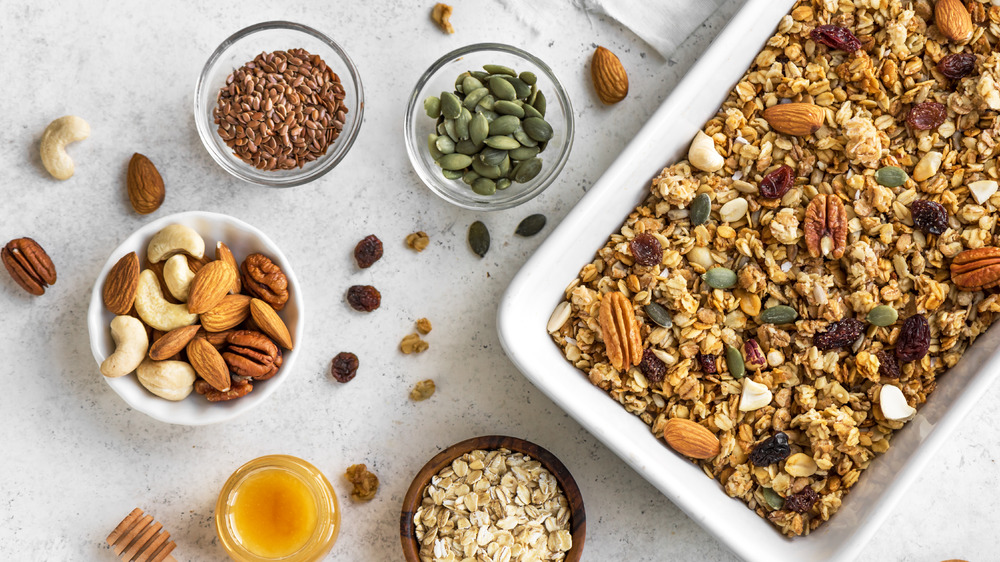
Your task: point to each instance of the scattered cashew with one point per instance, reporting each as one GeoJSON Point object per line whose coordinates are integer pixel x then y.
{"type": "Point", "coordinates": [175, 239]}
{"type": "Point", "coordinates": [131, 344]}
{"type": "Point", "coordinates": [703, 155]}
{"type": "Point", "coordinates": [172, 380]}
{"type": "Point", "coordinates": [57, 135]}
{"type": "Point", "coordinates": [155, 310]}
{"type": "Point", "coordinates": [178, 276]}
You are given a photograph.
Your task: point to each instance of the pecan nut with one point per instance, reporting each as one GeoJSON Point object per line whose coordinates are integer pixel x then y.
{"type": "Point", "coordinates": [263, 279]}
{"type": "Point", "coordinates": [826, 227]}
{"type": "Point", "coordinates": [237, 390]}
{"type": "Point", "coordinates": [251, 355]}
{"type": "Point", "coordinates": [974, 270]}
{"type": "Point", "coordinates": [28, 265]}
{"type": "Point", "coordinates": [621, 331]}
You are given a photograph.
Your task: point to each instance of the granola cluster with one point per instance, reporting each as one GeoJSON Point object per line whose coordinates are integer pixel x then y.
{"type": "Point", "coordinates": [900, 125]}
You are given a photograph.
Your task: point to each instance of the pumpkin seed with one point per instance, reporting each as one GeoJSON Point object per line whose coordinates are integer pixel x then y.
{"type": "Point", "coordinates": [780, 314]}
{"type": "Point", "coordinates": [499, 69]}
{"type": "Point", "coordinates": [505, 167]}
{"type": "Point", "coordinates": [460, 79]}
{"type": "Point", "coordinates": [503, 183]}
{"type": "Point", "coordinates": [530, 111]}
{"type": "Point", "coordinates": [466, 147]}
{"type": "Point", "coordinates": [480, 75]}
{"type": "Point", "coordinates": [890, 176]}
{"type": "Point", "coordinates": [487, 103]}
{"type": "Point", "coordinates": [445, 145]}
{"type": "Point", "coordinates": [432, 105]}
{"type": "Point", "coordinates": [450, 130]}
{"type": "Point", "coordinates": [509, 108]}
{"type": "Point", "coordinates": [539, 103]}
{"type": "Point", "coordinates": [452, 174]}
{"type": "Point", "coordinates": [451, 106]}
{"type": "Point", "coordinates": [527, 170]}
{"type": "Point", "coordinates": [523, 153]}
{"type": "Point", "coordinates": [432, 146]}
{"type": "Point", "coordinates": [524, 139]}
{"type": "Point", "coordinates": [492, 156]}
{"type": "Point", "coordinates": [502, 142]}
{"type": "Point", "coordinates": [537, 128]}
{"type": "Point", "coordinates": [701, 208]}
{"type": "Point", "coordinates": [531, 225]}
{"type": "Point", "coordinates": [659, 315]}
{"type": "Point", "coordinates": [734, 362]}
{"type": "Point", "coordinates": [504, 125]}
{"type": "Point", "coordinates": [479, 238]}
{"type": "Point", "coordinates": [719, 278]}
{"type": "Point", "coordinates": [462, 124]}
{"type": "Point", "coordinates": [521, 89]}
{"type": "Point", "coordinates": [502, 89]}
{"type": "Point", "coordinates": [528, 78]}
{"type": "Point", "coordinates": [772, 498]}
{"type": "Point", "coordinates": [484, 186]}
{"type": "Point", "coordinates": [883, 315]}
{"type": "Point", "coordinates": [455, 161]}
{"type": "Point", "coordinates": [469, 177]}
{"type": "Point", "coordinates": [479, 128]}
{"type": "Point", "coordinates": [473, 98]}
{"type": "Point", "coordinates": [485, 170]}
{"type": "Point", "coordinates": [470, 83]}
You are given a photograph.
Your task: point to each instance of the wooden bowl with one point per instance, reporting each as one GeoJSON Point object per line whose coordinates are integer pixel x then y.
{"type": "Point", "coordinates": [578, 515]}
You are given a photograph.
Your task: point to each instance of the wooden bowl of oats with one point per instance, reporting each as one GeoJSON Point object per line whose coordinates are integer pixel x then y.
{"type": "Point", "coordinates": [504, 497]}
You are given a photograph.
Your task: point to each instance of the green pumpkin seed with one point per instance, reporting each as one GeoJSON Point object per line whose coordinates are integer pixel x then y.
{"type": "Point", "coordinates": [502, 89]}
{"type": "Point", "coordinates": [883, 315]}
{"type": "Point", "coordinates": [445, 145]}
{"type": "Point", "coordinates": [772, 498]}
{"type": "Point", "coordinates": [539, 103]}
{"type": "Point", "coordinates": [720, 278]}
{"type": "Point", "coordinates": [521, 89]}
{"type": "Point", "coordinates": [780, 314]}
{"type": "Point", "coordinates": [466, 147]}
{"type": "Point", "coordinates": [480, 75]}
{"type": "Point", "coordinates": [452, 174]}
{"type": "Point", "coordinates": [473, 98]}
{"type": "Point", "coordinates": [485, 170]}
{"type": "Point", "coordinates": [537, 128]}
{"type": "Point", "coordinates": [469, 177]}
{"type": "Point", "coordinates": [479, 238]}
{"type": "Point", "coordinates": [890, 176]}
{"type": "Point", "coordinates": [484, 186]}
{"type": "Point", "coordinates": [470, 83]}
{"type": "Point", "coordinates": [455, 161]}
{"type": "Point", "coordinates": [530, 226]}
{"type": "Point", "coordinates": [505, 167]}
{"type": "Point", "coordinates": [487, 103]}
{"type": "Point", "coordinates": [451, 106]}
{"type": "Point", "coordinates": [461, 78]}
{"type": "Point", "coordinates": [659, 315]}
{"type": "Point", "coordinates": [432, 105]}
{"type": "Point", "coordinates": [493, 156]}
{"type": "Point", "coordinates": [432, 146]}
{"type": "Point", "coordinates": [508, 108]}
{"type": "Point", "coordinates": [524, 153]}
{"type": "Point", "coordinates": [530, 111]}
{"type": "Point", "coordinates": [462, 124]}
{"type": "Point", "coordinates": [450, 130]}
{"type": "Point", "coordinates": [499, 69]}
{"type": "Point", "coordinates": [440, 129]}
{"type": "Point", "coordinates": [527, 170]}
{"type": "Point", "coordinates": [489, 115]}
{"type": "Point", "coordinates": [503, 183]}
{"type": "Point", "coordinates": [504, 125]}
{"type": "Point", "coordinates": [528, 78]}
{"type": "Point", "coordinates": [701, 208]}
{"type": "Point", "coordinates": [479, 128]}
{"type": "Point", "coordinates": [524, 139]}
{"type": "Point", "coordinates": [734, 362]}
{"type": "Point", "coordinates": [502, 142]}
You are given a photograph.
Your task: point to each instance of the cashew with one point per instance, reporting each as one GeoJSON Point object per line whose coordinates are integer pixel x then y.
{"type": "Point", "coordinates": [893, 404]}
{"type": "Point", "coordinates": [178, 276]}
{"type": "Point", "coordinates": [57, 135]}
{"type": "Point", "coordinates": [755, 396]}
{"type": "Point", "coordinates": [703, 155]}
{"type": "Point", "coordinates": [131, 344]}
{"type": "Point", "coordinates": [175, 239]}
{"type": "Point", "coordinates": [155, 310]}
{"type": "Point", "coordinates": [172, 380]}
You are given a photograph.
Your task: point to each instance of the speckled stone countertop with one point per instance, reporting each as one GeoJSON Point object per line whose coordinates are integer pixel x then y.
{"type": "Point", "coordinates": [76, 459]}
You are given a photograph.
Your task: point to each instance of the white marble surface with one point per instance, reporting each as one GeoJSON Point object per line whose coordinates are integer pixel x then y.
{"type": "Point", "coordinates": [76, 459]}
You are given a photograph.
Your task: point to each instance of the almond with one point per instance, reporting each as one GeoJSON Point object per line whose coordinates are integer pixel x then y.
{"type": "Point", "coordinates": [796, 119]}
{"type": "Point", "coordinates": [610, 79]}
{"type": "Point", "coordinates": [690, 439]}
{"type": "Point", "coordinates": [223, 253]}
{"type": "Point", "coordinates": [953, 20]}
{"type": "Point", "coordinates": [145, 186]}
{"type": "Point", "coordinates": [121, 284]}
{"type": "Point", "coordinates": [229, 313]}
{"type": "Point", "coordinates": [212, 282]}
{"type": "Point", "coordinates": [208, 363]}
{"type": "Point", "coordinates": [270, 323]}
{"type": "Point", "coordinates": [172, 342]}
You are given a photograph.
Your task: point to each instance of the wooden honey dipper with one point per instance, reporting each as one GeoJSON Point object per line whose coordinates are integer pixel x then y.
{"type": "Point", "coordinates": [140, 539]}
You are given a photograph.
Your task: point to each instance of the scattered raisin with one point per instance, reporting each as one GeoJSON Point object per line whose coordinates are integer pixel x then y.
{"type": "Point", "coordinates": [836, 37]}
{"type": "Point", "coordinates": [927, 115]}
{"type": "Point", "coordinates": [957, 65]}
{"type": "Point", "coordinates": [368, 251]}
{"type": "Point", "coordinates": [344, 366]}
{"type": "Point", "coordinates": [839, 334]}
{"type": "Point", "coordinates": [707, 361]}
{"type": "Point", "coordinates": [651, 366]}
{"type": "Point", "coordinates": [802, 501]}
{"type": "Point", "coordinates": [364, 298]}
{"type": "Point", "coordinates": [771, 450]}
{"type": "Point", "coordinates": [776, 184]}
{"type": "Point", "coordinates": [914, 339]}
{"type": "Point", "coordinates": [929, 216]}
{"type": "Point", "coordinates": [646, 249]}
{"type": "Point", "coordinates": [887, 366]}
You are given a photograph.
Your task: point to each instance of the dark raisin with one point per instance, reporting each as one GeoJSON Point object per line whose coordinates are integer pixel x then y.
{"type": "Point", "coordinates": [887, 366]}
{"type": "Point", "coordinates": [927, 115]}
{"type": "Point", "coordinates": [771, 450]}
{"type": "Point", "coordinates": [646, 250]}
{"type": "Point", "coordinates": [707, 361]}
{"type": "Point", "coordinates": [836, 37]}
{"type": "Point", "coordinates": [777, 183]}
{"type": "Point", "coordinates": [957, 65]}
{"type": "Point", "coordinates": [839, 334]}
{"type": "Point", "coordinates": [914, 339]}
{"type": "Point", "coordinates": [929, 216]}
{"type": "Point", "coordinates": [344, 366]}
{"type": "Point", "coordinates": [652, 366]}
{"type": "Point", "coordinates": [364, 298]}
{"type": "Point", "coordinates": [368, 251]}
{"type": "Point", "coordinates": [802, 501]}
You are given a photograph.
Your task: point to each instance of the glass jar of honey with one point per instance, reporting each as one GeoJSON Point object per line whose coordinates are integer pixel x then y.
{"type": "Point", "coordinates": [277, 507]}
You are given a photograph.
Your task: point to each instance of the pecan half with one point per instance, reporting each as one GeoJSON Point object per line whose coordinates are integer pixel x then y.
{"type": "Point", "coordinates": [252, 355]}
{"type": "Point", "coordinates": [974, 270]}
{"type": "Point", "coordinates": [263, 279]}
{"type": "Point", "coordinates": [237, 390]}
{"type": "Point", "coordinates": [826, 227]}
{"type": "Point", "coordinates": [621, 331]}
{"type": "Point", "coordinates": [28, 265]}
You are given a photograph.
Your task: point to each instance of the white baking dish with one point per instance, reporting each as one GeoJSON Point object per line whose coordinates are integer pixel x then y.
{"type": "Point", "coordinates": [539, 286]}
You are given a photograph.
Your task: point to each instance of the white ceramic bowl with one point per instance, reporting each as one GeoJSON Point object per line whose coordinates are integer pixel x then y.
{"type": "Point", "coordinates": [242, 239]}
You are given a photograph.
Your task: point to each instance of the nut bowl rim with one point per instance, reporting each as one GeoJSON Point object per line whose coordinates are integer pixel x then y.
{"type": "Point", "coordinates": [411, 501]}
{"type": "Point", "coordinates": [193, 410]}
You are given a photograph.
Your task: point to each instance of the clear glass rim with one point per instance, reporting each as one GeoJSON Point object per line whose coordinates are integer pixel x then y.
{"type": "Point", "coordinates": [319, 167]}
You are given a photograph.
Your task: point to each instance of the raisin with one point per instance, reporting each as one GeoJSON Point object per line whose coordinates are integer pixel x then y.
{"type": "Point", "coordinates": [364, 298]}
{"type": "Point", "coordinates": [887, 366]}
{"type": "Point", "coordinates": [771, 450]}
{"type": "Point", "coordinates": [802, 501]}
{"type": "Point", "coordinates": [777, 183]}
{"type": "Point", "coordinates": [651, 366]}
{"type": "Point", "coordinates": [927, 115]}
{"type": "Point", "coordinates": [929, 216]}
{"type": "Point", "coordinates": [957, 65]}
{"type": "Point", "coordinates": [368, 251]}
{"type": "Point", "coordinates": [646, 249]}
{"type": "Point", "coordinates": [839, 334]}
{"type": "Point", "coordinates": [914, 339]}
{"type": "Point", "coordinates": [836, 37]}
{"type": "Point", "coordinates": [707, 361]}
{"type": "Point", "coordinates": [344, 366]}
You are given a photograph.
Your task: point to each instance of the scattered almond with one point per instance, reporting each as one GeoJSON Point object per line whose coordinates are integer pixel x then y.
{"type": "Point", "coordinates": [690, 439]}
{"type": "Point", "coordinates": [608, 74]}
{"type": "Point", "coordinates": [144, 184]}
{"type": "Point", "coordinates": [270, 323]}
{"type": "Point", "coordinates": [121, 284]}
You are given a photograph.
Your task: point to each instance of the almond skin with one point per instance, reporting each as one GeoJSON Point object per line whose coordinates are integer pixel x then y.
{"type": "Point", "coordinates": [172, 342]}
{"type": "Point", "coordinates": [608, 74]}
{"type": "Point", "coordinates": [796, 119]}
{"type": "Point", "coordinates": [145, 186]}
{"type": "Point", "coordinates": [208, 363]}
{"type": "Point", "coordinates": [223, 253]}
{"type": "Point", "coordinates": [270, 323]}
{"type": "Point", "coordinates": [120, 285]}
{"type": "Point", "coordinates": [212, 282]}
{"type": "Point", "coordinates": [229, 313]}
{"type": "Point", "coordinates": [690, 439]}
{"type": "Point", "coordinates": [953, 20]}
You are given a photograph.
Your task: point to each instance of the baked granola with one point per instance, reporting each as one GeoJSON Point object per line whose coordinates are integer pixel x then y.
{"type": "Point", "coordinates": [908, 113]}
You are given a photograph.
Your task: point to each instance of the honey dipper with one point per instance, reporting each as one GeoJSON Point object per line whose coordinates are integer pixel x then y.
{"type": "Point", "coordinates": [140, 539]}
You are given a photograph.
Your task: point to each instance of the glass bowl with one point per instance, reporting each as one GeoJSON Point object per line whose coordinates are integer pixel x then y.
{"type": "Point", "coordinates": [441, 77]}
{"type": "Point", "coordinates": [242, 47]}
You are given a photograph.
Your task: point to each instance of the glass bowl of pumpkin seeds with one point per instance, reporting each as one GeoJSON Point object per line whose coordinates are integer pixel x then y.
{"type": "Point", "coordinates": [488, 127]}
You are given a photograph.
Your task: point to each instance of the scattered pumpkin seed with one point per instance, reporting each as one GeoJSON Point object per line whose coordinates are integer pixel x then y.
{"type": "Point", "coordinates": [479, 238]}
{"type": "Point", "coordinates": [701, 208]}
{"type": "Point", "coordinates": [432, 105]}
{"type": "Point", "coordinates": [890, 176]}
{"type": "Point", "coordinates": [734, 362]}
{"type": "Point", "coordinates": [772, 498]}
{"type": "Point", "coordinates": [531, 225]}
{"type": "Point", "coordinates": [780, 314]}
{"type": "Point", "coordinates": [883, 315]}
{"type": "Point", "coordinates": [720, 278]}
{"type": "Point", "coordinates": [659, 315]}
